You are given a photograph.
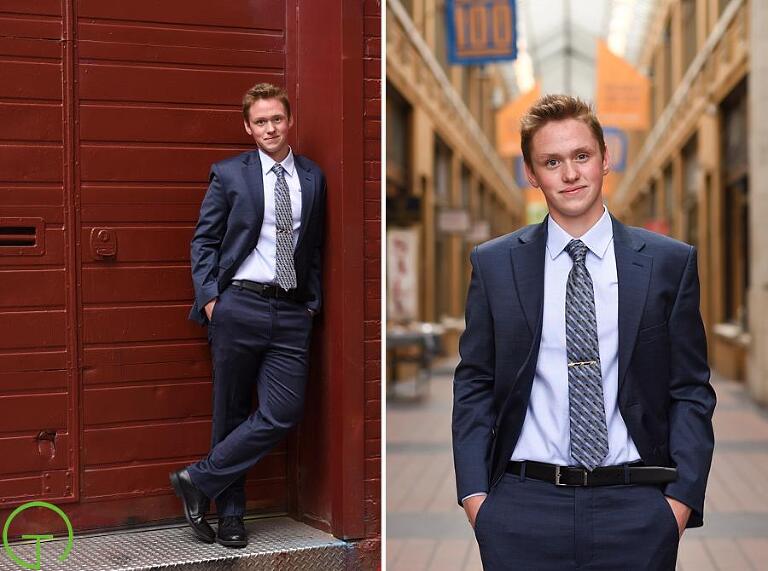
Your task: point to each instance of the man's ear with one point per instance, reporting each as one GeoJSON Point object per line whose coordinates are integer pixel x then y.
{"type": "Point", "coordinates": [530, 175]}
{"type": "Point", "coordinates": [606, 162]}
{"type": "Point", "coordinates": [247, 127]}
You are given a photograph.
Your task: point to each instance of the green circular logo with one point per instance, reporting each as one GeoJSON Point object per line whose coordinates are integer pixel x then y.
{"type": "Point", "coordinates": [39, 538]}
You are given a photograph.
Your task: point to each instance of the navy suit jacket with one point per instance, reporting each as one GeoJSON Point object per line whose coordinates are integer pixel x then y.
{"type": "Point", "coordinates": [230, 223]}
{"type": "Point", "coordinates": [664, 393]}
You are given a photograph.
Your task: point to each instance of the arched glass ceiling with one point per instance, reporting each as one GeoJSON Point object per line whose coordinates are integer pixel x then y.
{"type": "Point", "coordinates": [557, 41]}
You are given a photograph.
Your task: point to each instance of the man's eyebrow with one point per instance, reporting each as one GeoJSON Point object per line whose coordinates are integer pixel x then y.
{"type": "Point", "coordinates": [558, 155]}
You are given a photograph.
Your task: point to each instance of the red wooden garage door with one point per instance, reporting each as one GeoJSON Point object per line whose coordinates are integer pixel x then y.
{"type": "Point", "coordinates": [38, 434]}
{"type": "Point", "coordinates": [106, 140]}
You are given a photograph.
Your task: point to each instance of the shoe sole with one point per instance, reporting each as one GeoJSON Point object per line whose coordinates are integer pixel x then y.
{"type": "Point", "coordinates": [177, 490]}
{"type": "Point", "coordinates": [238, 544]}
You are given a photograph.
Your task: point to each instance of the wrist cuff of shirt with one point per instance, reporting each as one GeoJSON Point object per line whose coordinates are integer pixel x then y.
{"type": "Point", "coordinates": [465, 498]}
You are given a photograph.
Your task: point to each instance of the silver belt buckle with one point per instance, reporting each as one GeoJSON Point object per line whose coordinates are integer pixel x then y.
{"type": "Point", "coordinates": [558, 474]}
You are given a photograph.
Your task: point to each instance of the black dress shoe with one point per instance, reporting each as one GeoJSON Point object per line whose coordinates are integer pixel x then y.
{"type": "Point", "coordinates": [195, 505]}
{"type": "Point", "coordinates": [232, 532]}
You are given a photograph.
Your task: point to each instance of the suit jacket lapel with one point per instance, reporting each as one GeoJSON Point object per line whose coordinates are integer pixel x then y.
{"type": "Point", "coordinates": [255, 188]}
{"type": "Point", "coordinates": [307, 182]}
{"type": "Point", "coordinates": [528, 271]}
{"type": "Point", "coordinates": [634, 273]}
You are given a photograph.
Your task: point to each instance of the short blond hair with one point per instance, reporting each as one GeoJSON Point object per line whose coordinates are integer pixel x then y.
{"type": "Point", "coordinates": [265, 91]}
{"type": "Point", "coordinates": [557, 108]}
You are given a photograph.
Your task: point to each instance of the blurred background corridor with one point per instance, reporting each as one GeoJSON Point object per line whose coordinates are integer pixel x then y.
{"type": "Point", "coordinates": [681, 88]}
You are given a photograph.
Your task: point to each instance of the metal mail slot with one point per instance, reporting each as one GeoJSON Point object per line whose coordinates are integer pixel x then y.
{"type": "Point", "coordinates": [22, 236]}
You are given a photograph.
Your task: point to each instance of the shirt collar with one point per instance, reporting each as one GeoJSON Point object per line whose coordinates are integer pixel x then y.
{"type": "Point", "coordinates": [268, 162]}
{"type": "Point", "coordinates": [596, 238]}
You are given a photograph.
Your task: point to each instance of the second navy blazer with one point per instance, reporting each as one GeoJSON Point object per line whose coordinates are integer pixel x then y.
{"type": "Point", "coordinates": [664, 393]}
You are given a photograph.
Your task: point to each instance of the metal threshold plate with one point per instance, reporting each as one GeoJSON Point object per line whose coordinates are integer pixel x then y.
{"type": "Point", "coordinates": [274, 543]}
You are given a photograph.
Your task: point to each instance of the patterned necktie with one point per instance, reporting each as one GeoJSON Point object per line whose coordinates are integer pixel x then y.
{"type": "Point", "coordinates": [589, 433]}
{"type": "Point", "coordinates": [285, 272]}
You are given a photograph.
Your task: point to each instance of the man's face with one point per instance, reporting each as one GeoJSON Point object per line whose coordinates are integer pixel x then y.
{"type": "Point", "coordinates": [268, 124]}
{"type": "Point", "coordinates": [569, 170]}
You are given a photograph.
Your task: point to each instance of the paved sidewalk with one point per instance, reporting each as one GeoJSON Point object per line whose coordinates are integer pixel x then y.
{"type": "Point", "coordinates": [426, 530]}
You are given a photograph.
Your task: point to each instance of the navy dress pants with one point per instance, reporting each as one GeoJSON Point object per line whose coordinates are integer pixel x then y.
{"type": "Point", "coordinates": [255, 341]}
{"type": "Point", "coordinates": [531, 525]}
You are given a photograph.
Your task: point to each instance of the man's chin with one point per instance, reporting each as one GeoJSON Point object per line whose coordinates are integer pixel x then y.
{"type": "Point", "coordinates": [578, 208]}
{"type": "Point", "coordinates": [272, 149]}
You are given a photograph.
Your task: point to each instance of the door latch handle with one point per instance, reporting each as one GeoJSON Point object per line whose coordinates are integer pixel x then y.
{"type": "Point", "coordinates": [103, 243]}
{"type": "Point", "coordinates": [46, 443]}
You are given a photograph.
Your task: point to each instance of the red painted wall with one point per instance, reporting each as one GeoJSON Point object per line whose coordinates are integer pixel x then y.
{"type": "Point", "coordinates": [372, 216]}
{"type": "Point", "coordinates": [113, 130]}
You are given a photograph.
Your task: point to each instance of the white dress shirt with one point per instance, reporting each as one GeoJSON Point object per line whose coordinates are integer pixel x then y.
{"type": "Point", "coordinates": [259, 266]}
{"type": "Point", "coordinates": [545, 436]}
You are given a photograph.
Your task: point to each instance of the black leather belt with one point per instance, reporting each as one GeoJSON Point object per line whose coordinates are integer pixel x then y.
{"type": "Point", "coordinates": [602, 476]}
{"type": "Point", "coordinates": [267, 290]}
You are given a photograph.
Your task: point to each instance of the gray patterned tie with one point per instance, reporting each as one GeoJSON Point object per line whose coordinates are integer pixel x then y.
{"type": "Point", "coordinates": [589, 433]}
{"type": "Point", "coordinates": [285, 272]}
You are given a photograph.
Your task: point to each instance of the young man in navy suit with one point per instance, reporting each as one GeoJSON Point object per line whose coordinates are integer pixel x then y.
{"type": "Point", "coordinates": [582, 430]}
{"type": "Point", "coordinates": [256, 259]}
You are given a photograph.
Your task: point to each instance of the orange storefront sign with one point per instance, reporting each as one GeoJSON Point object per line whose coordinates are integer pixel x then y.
{"type": "Point", "coordinates": [623, 93]}
{"type": "Point", "coordinates": [508, 122]}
